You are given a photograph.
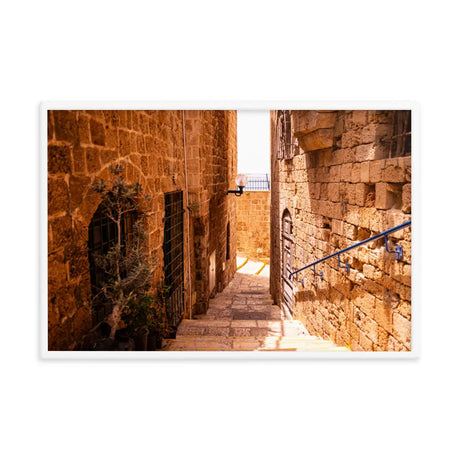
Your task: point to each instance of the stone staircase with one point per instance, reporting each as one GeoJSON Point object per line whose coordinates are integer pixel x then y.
{"type": "Point", "coordinates": [243, 318]}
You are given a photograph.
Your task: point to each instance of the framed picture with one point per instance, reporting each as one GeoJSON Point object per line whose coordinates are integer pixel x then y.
{"type": "Point", "coordinates": [228, 230]}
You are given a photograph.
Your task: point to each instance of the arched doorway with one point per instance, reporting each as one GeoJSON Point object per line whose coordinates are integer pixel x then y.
{"type": "Point", "coordinates": [286, 267]}
{"type": "Point", "coordinates": [102, 236]}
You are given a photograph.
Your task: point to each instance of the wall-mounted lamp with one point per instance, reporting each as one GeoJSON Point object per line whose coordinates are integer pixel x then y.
{"type": "Point", "coordinates": [241, 182]}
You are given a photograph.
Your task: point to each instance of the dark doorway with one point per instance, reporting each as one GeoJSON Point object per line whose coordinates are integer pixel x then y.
{"type": "Point", "coordinates": [173, 250]}
{"type": "Point", "coordinates": [286, 268]}
{"type": "Point", "coordinates": [102, 236]}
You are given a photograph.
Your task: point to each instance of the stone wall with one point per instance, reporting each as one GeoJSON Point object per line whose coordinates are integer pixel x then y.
{"type": "Point", "coordinates": [150, 145]}
{"type": "Point", "coordinates": [341, 187]}
{"type": "Point", "coordinates": [253, 225]}
{"type": "Point", "coordinates": [212, 160]}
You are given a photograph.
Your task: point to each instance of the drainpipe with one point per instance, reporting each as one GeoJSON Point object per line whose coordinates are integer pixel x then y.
{"type": "Point", "coordinates": [188, 216]}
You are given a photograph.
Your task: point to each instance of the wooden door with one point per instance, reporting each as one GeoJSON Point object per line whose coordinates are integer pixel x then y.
{"type": "Point", "coordinates": [286, 268]}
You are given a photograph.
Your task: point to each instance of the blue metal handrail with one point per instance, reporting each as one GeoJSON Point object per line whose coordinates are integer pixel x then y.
{"type": "Point", "coordinates": [398, 250]}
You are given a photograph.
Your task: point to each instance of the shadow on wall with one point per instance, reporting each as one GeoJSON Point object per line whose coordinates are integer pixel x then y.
{"type": "Point", "coordinates": [346, 179]}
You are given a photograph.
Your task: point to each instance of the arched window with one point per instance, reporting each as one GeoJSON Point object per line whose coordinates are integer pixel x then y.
{"type": "Point", "coordinates": [287, 222]}
{"type": "Point", "coordinates": [102, 235]}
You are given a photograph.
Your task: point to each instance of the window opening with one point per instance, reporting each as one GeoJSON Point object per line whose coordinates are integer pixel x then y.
{"type": "Point", "coordinates": [285, 139]}
{"type": "Point", "coordinates": [173, 250]}
{"type": "Point", "coordinates": [102, 235]}
{"type": "Point", "coordinates": [400, 145]}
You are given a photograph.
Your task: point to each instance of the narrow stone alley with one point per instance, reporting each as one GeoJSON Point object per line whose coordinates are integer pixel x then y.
{"type": "Point", "coordinates": [243, 318]}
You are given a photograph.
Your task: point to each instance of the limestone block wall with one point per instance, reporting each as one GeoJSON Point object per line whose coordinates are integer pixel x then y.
{"type": "Point", "coordinates": [212, 160]}
{"type": "Point", "coordinates": [150, 145]}
{"type": "Point", "coordinates": [253, 225]}
{"type": "Point", "coordinates": [341, 187]}
{"type": "Point", "coordinates": [275, 213]}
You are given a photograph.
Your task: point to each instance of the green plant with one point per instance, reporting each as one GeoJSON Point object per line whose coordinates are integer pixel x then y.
{"type": "Point", "coordinates": [140, 314]}
{"type": "Point", "coordinates": [127, 265]}
{"type": "Point", "coordinates": [148, 312]}
{"type": "Point", "coordinates": [161, 320]}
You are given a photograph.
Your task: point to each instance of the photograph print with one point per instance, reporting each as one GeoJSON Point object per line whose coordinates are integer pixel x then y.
{"type": "Point", "coordinates": [229, 231]}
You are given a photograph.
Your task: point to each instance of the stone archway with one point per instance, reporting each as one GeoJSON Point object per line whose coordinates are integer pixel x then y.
{"type": "Point", "coordinates": [70, 309]}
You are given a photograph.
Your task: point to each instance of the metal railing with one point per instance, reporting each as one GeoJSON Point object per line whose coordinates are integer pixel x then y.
{"type": "Point", "coordinates": [258, 182]}
{"type": "Point", "coordinates": [398, 251]}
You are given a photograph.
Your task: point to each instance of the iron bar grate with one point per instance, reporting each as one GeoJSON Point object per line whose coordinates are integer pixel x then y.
{"type": "Point", "coordinates": [258, 182]}
{"type": "Point", "coordinates": [173, 250]}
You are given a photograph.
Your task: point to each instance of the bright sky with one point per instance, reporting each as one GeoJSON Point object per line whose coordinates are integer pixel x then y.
{"type": "Point", "coordinates": [253, 141]}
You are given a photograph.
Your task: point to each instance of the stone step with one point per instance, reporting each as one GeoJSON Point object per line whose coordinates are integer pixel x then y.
{"type": "Point", "coordinates": [241, 328]}
{"type": "Point", "coordinates": [197, 344]}
{"type": "Point", "coordinates": [244, 318]}
{"type": "Point", "coordinates": [246, 306]}
{"type": "Point", "coordinates": [238, 298]}
{"type": "Point", "coordinates": [194, 343]}
{"type": "Point", "coordinates": [254, 339]}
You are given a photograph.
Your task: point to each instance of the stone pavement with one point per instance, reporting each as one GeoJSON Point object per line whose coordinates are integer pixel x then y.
{"type": "Point", "coordinates": [243, 318]}
{"type": "Point", "coordinates": [252, 267]}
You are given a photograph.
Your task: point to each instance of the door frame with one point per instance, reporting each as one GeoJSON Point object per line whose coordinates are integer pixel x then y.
{"type": "Point", "coordinates": [287, 285]}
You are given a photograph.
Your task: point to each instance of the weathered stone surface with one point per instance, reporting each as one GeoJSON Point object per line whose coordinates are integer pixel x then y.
{"type": "Point", "coordinates": [65, 125]}
{"type": "Point", "coordinates": [97, 132]}
{"type": "Point", "coordinates": [347, 193]}
{"type": "Point", "coordinates": [78, 160]}
{"type": "Point", "coordinates": [316, 140]}
{"type": "Point", "coordinates": [384, 316]}
{"type": "Point", "coordinates": [386, 195]}
{"type": "Point", "coordinates": [393, 172]}
{"type": "Point", "coordinates": [361, 194]}
{"type": "Point", "coordinates": [78, 186]}
{"type": "Point", "coordinates": [402, 329]}
{"type": "Point", "coordinates": [149, 144]}
{"type": "Point", "coordinates": [61, 231]}
{"type": "Point", "coordinates": [58, 195]}
{"type": "Point", "coordinates": [210, 334]}
{"type": "Point", "coordinates": [406, 199]}
{"type": "Point", "coordinates": [253, 225]}
{"type": "Point", "coordinates": [84, 134]}
{"type": "Point", "coordinates": [312, 120]}
{"type": "Point", "coordinates": [93, 160]}
{"type": "Point", "coordinates": [59, 159]}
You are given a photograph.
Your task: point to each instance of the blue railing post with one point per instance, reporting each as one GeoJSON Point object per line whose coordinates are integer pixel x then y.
{"type": "Point", "coordinates": [398, 252]}
{"type": "Point", "coordinates": [346, 266]}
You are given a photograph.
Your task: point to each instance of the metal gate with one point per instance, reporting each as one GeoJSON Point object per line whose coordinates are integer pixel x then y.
{"type": "Point", "coordinates": [286, 269]}
{"type": "Point", "coordinates": [173, 250]}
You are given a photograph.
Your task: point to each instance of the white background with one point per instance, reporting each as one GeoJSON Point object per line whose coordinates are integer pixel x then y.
{"type": "Point", "coordinates": [354, 50]}
{"type": "Point", "coordinates": [254, 141]}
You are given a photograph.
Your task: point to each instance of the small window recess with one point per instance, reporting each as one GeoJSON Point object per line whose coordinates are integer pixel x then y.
{"type": "Point", "coordinates": [287, 144]}
{"type": "Point", "coordinates": [400, 141]}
